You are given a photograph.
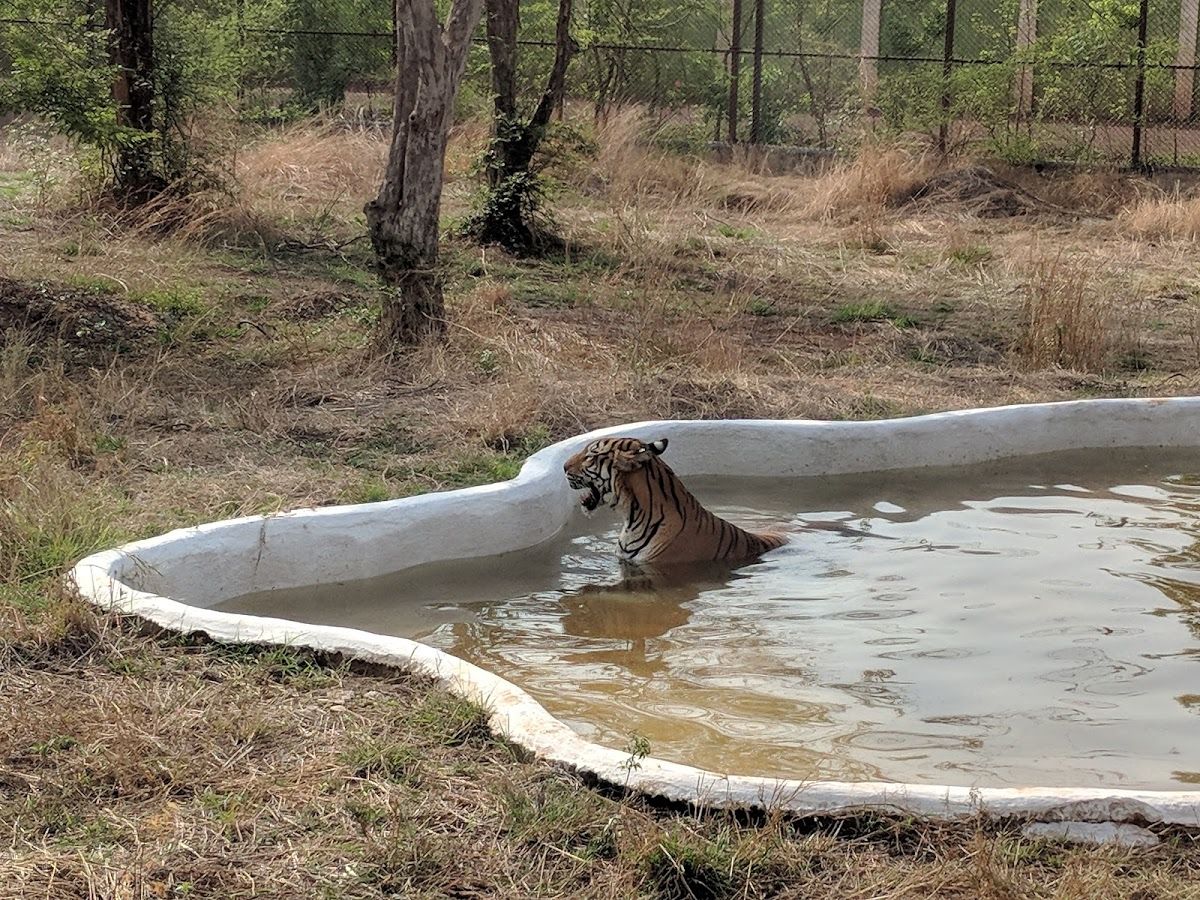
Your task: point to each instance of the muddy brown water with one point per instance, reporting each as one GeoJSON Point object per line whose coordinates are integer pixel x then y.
{"type": "Point", "coordinates": [1025, 622]}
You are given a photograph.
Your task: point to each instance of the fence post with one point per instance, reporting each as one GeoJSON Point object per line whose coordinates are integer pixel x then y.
{"type": "Point", "coordinates": [756, 90]}
{"type": "Point", "coordinates": [947, 67]}
{"type": "Point", "coordinates": [868, 51]}
{"type": "Point", "coordinates": [735, 69]}
{"type": "Point", "coordinates": [1026, 35]}
{"type": "Point", "coordinates": [1185, 60]}
{"type": "Point", "coordinates": [1139, 86]}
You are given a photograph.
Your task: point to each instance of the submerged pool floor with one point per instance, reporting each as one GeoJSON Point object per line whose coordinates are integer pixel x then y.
{"type": "Point", "coordinates": [1027, 622]}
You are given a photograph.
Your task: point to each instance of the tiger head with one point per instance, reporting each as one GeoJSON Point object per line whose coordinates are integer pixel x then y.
{"type": "Point", "coordinates": [596, 468]}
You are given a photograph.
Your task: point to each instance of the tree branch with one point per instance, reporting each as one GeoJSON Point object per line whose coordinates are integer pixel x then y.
{"type": "Point", "coordinates": [565, 48]}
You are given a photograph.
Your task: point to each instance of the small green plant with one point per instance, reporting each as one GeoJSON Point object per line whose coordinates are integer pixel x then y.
{"type": "Point", "coordinates": [736, 233]}
{"type": "Point", "coordinates": [284, 664]}
{"type": "Point", "coordinates": [367, 815]}
{"type": "Point", "coordinates": [109, 443]}
{"type": "Point", "coordinates": [1136, 359]}
{"type": "Point", "coordinates": [183, 311]}
{"type": "Point", "coordinates": [472, 469]}
{"type": "Point", "coordinates": [54, 745]}
{"type": "Point", "coordinates": [97, 284]}
{"type": "Point", "coordinates": [638, 748]}
{"type": "Point", "coordinates": [762, 306]}
{"type": "Point", "coordinates": [542, 292]}
{"type": "Point", "coordinates": [488, 362]}
{"type": "Point", "coordinates": [372, 490]}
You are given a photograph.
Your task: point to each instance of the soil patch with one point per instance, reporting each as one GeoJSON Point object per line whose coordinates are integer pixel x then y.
{"type": "Point", "coordinates": [318, 305]}
{"type": "Point", "coordinates": [92, 323]}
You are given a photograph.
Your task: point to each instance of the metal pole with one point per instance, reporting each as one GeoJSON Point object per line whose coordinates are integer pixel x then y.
{"type": "Point", "coordinates": [735, 69]}
{"type": "Point", "coordinates": [1139, 86]}
{"type": "Point", "coordinates": [756, 95]}
{"type": "Point", "coordinates": [947, 67]}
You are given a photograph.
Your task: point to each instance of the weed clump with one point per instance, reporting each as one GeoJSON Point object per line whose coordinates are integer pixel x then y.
{"type": "Point", "coordinates": [1065, 322]}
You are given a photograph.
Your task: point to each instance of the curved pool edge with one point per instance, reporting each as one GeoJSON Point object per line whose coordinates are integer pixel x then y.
{"type": "Point", "coordinates": [521, 719]}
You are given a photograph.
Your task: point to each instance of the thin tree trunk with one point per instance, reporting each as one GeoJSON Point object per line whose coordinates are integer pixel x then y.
{"type": "Point", "coordinates": [514, 143]}
{"type": "Point", "coordinates": [403, 219]}
{"type": "Point", "coordinates": [131, 23]}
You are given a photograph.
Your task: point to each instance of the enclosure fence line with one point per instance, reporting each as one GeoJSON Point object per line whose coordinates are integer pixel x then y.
{"type": "Point", "coordinates": [1081, 79]}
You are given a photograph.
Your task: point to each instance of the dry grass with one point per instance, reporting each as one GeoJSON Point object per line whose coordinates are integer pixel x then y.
{"type": "Point", "coordinates": [1170, 217]}
{"type": "Point", "coordinates": [1066, 323]}
{"type": "Point", "coordinates": [879, 177]}
{"type": "Point", "coordinates": [255, 772]}
{"type": "Point", "coordinates": [312, 164]}
{"type": "Point", "coordinates": [138, 765]}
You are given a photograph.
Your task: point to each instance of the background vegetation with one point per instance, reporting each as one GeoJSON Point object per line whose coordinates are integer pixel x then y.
{"type": "Point", "coordinates": [273, 61]}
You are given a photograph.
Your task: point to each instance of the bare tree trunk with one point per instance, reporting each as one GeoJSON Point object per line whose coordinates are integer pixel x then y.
{"type": "Point", "coordinates": [403, 219]}
{"type": "Point", "coordinates": [131, 23]}
{"type": "Point", "coordinates": [504, 218]}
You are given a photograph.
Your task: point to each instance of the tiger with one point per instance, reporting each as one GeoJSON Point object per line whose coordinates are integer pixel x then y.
{"type": "Point", "coordinates": [664, 523]}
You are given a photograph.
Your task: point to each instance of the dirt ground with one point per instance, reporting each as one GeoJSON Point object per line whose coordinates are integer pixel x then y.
{"type": "Point", "coordinates": [152, 377]}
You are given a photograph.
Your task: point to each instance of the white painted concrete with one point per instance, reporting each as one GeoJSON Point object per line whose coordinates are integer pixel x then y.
{"type": "Point", "coordinates": [201, 566]}
{"type": "Point", "coordinates": [1092, 833]}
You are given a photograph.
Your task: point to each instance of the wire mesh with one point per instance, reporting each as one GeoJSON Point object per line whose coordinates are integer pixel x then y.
{"type": "Point", "coordinates": [1090, 80]}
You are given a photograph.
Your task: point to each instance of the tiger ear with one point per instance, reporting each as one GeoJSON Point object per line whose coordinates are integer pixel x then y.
{"type": "Point", "coordinates": [627, 462]}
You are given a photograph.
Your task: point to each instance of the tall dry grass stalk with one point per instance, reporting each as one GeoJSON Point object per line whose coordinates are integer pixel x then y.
{"type": "Point", "coordinates": [319, 172]}
{"type": "Point", "coordinates": [878, 177]}
{"type": "Point", "coordinates": [1169, 217]}
{"type": "Point", "coordinates": [630, 167]}
{"type": "Point", "coordinates": [313, 162]}
{"type": "Point", "coordinates": [1065, 321]}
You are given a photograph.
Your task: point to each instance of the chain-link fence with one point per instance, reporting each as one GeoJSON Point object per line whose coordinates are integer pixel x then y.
{"type": "Point", "coordinates": [1090, 80]}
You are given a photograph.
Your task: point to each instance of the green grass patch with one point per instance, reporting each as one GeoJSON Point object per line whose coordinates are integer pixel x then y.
{"type": "Point", "coordinates": [871, 311]}
{"type": "Point", "coordinates": [376, 758]}
{"type": "Point", "coordinates": [372, 490]}
{"type": "Point", "coordinates": [736, 233]}
{"type": "Point", "coordinates": [16, 184]}
{"type": "Point", "coordinates": [446, 719]}
{"type": "Point", "coordinates": [294, 666]}
{"type": "Point", "coordinates": [556, 813]}
{"type": "Point", "coordinates": [763, 307]}
{"type": "Point", "coordinates": [546, 294]}
{"type": "Point", "coordinates": [185, 314]}
{"type": "Point", "coordinates": [869, 406]}
{"type": "Point", "coordinates": [96, 284]}
{"type": "Point", "coordinates": [38, 543]}
{"type": "Point", "coordinates": [472, 469]}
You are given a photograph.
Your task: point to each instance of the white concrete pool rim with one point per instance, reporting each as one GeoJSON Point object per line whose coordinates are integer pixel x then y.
{"type": "Point", "coordinates": [311, 546]}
